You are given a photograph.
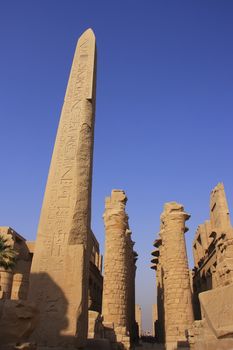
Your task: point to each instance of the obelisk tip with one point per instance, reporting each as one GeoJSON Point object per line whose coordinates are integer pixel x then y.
{"type": "Point", "coordinates": [89, 32]}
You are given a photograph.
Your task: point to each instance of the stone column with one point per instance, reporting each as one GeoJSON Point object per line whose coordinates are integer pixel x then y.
{"type": "Point", "coordinates": [176, 282]}
{"type": "Point", "coordinates": [131, 273]}
{"type": "Point", "coordinates": [138, 313]}
{"type": "Point", "coordinates": [20, 286]}
{"type": "Point", "coordinates": [158, 266]}
{"type": "Point", "coordinates": [154, 319]}
{"type": "Point", "coordinates": [115, 294]}
{"type": "Point", "coordinates": [59, 273]}
{"type": "Point", "coordinates": [6, 279]}
{"type": "Point", "coordinates": [134, 329]}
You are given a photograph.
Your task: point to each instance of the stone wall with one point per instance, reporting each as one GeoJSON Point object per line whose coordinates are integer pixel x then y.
{"type": "Point", "coordinates": [213, 248]}
{"type": "Point", "coordinates": [213, 278]}
{"type": "Point", "coordinates": [95, 288]}
{"type": "Point", "coordinates": [15, 283]}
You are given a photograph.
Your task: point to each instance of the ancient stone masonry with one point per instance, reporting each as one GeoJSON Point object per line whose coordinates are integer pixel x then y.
{"type": "Point", "coordinates": [59, 279]}
{"type": "Point", "coordinates": [173, 282]}
{"type": "Point", "coordinates": [213, 245]}
{"type": "Point", "coordinates": [213, 277]}
{"type": "Point", "coordinates": [138, 315]}
{"type": "Point", "coordinates": [157, 262]}
{"type": "Point", "coordinates": [95, 289]}
{"type": "Point", "coordinates": [154, 319]}
{"type": "Point", "coordinates": [119, 273]}
{"type": "Point", "coordinates": [131, 258]}
{"type": "Point", "coordinates": [14, 283]}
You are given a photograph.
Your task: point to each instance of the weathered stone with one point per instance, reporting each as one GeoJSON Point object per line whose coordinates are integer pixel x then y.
{"type": "Point", "coordinates": [215, 329]}
{"type": "Point", "coordinates": [154, 319]}
{"type": "Point", "coordinates": [213, 249]}
{"type": "Point", "coordinates": [59, 279]}
{"type": "Point", "coordinates": [138, 313]}
{"type": "Point", "coordinates": [95, 325]}
{"type": "Point", "coordinates": [95, 286]}
{"type": "Point", "coordinates": [6, 279]}
{"type": "Point", "coordinates": [213, 278]}
{"type": "Point", "coordinates": [119, 273]}
{"type": "Point", "coordinates": [14, 283]}
{"type": "Point", "coordinates": [175, 313]}
{"type": "Point", "coordinates": [18, 319]}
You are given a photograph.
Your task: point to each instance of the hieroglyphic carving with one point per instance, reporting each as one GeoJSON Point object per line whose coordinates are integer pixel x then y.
{"type": "Point", "coordinates": [65, 214]}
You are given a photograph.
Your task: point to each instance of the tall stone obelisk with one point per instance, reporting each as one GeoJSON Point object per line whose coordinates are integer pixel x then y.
{"type": "Point", "coordinates": [59, 280]}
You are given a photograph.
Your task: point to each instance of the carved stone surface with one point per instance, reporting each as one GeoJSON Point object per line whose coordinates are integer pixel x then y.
{"type": "Point", "coordinates": [119, 272]}
{"type": "Point", "coordinates": [217, 309]}
{"type": "Point", "coordinates": [213, 249]}
{"type": "Point", "coordinates": [14, 283]}
{"type": "Point", "coordinates": [59, 278]}
{"type": "Point", "coordinates": [174, 293]}
{"type": "Point", "coordinates": [215, 329]}
{"type": "Point", "coordinates": [18, 319]}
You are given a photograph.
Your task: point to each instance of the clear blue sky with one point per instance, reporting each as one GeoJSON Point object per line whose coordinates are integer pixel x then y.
{"type": "Point", "coordinates": [164, 109]}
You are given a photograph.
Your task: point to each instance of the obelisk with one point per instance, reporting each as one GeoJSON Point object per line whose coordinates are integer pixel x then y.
{"type": "Point", "coordinates": [59, 279]}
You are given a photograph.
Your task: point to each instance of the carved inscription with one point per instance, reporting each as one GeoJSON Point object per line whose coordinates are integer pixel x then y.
{"type": "Point", "coordinates": [59, 279]}
{"type": "Point", "coordinates": [63, 184]}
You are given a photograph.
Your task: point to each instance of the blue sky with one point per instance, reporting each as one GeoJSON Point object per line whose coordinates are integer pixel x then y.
{"type": "Point", "coordinates": [163, 117]}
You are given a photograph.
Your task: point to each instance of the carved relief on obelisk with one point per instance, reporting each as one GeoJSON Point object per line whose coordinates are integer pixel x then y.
{"type": "Point", "coordinates": [59, 278]}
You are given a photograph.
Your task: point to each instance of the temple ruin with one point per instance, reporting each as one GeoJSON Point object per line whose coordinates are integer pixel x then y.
{"type": "Point", "coordinates": [194, 308]}
{"type": "Point", "coordinates": [213, 277]}
{"type": "Point", "coordinates": [15, 283]}
{"type": "Point", "coordinates": [119, 274]}
{"type": "Point", "coordinates": [56, 293]}
{"type": "Point", "coordinates": [172, 276]}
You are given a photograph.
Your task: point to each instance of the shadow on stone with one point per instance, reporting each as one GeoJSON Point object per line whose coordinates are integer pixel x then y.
{"type": "Point", "coordinates": [53, 307]}
{"type": "Point", "coordinates": [18, 319]}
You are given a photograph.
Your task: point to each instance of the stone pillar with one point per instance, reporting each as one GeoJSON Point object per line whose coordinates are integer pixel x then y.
{"type": "Point", "coordinates": [6, 279]}
{"type": "Point", "coordinates": [115, 294]}
{"type": "Point", "coordinates": [138, 313]}
{"type": "Point", "coordinates": [222, 232]}
{"type": "Point", "coordinates": [20, 286]}
{"type": "Point", "coordinates": [154, 319]}
{"type": "Point", "coordinates": [219, 212]}
{"type": "Point", "coordinates": [134, 329]}
{"type": "Point", "coordinates": [59, 274]}
{"type": "Point", "coordinates": [158, 266]}
{"type": "Point", "coordinates": [131, 273]}
{"type": "Point", "coordinates": [176, 282]}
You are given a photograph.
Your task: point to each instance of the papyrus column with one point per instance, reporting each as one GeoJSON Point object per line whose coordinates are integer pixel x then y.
{"type": "Point", "coordinates": [176, 281]}
{"type": "Point", "coordinates": [115, 294]}
{"type": "Point", "coordinates": [59, 279]}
